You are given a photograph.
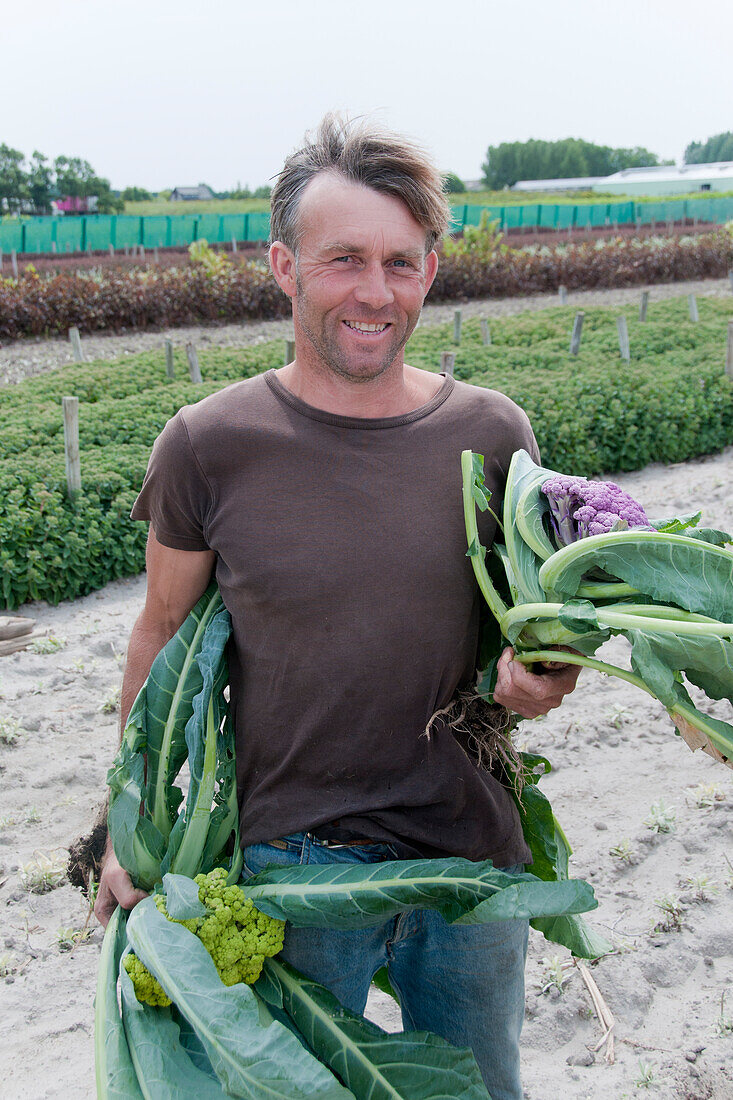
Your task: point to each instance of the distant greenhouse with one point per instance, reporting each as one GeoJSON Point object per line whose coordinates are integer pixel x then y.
{"type": "Point", "coordinates": [669, 180]}
{"type": "Point", "coordinates": [581, 183]}
{"type": "Point", "coordinates": [665, 179]}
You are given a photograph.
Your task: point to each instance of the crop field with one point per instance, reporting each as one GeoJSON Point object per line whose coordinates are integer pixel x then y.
{"type": "Point", "coordinates": [591, 412]}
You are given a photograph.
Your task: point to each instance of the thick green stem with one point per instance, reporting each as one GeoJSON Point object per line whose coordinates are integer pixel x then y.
{"type": "Point", "coordinates": [624, 619]}
{"type": "Point", "coordinates": [158, 805]}
{"type": "Point", "coordinates": [188, 858]}
{"type": "Point", "coordinates": [531, 656]}
{"type": "Point", "coordinates": [496, 605]}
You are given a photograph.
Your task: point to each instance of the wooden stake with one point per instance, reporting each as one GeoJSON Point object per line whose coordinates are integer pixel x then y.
{"type": "Point", "coordinates": [289, 351]}
{"type": "Point", "coordinates": [623, 338]}
{"type": "Point", "coordinates": [457, 326]}
{"type": "Point", "coordinates": [447, 362]}
{"type": "Point", "coordinates": [234, 244]}
{"type": "Point", "coordinates": [14, 626]}
{"type": "Point", "coordinates": [692, 303]}
{"type": "Point", "coordinates": [644, 304]}
{"type": "Point", "coordinates": [730, 278]}
{"type": "Point", "coordinates": [111, 250]}
{"type": "Point", "coordinates": [193, 363]}
{"type": "Point", "coordinates": [169, 368]}
{"type": "Point", "coordinates": [729, 351]}
{"type": "Point", "coordinates": [155, 255]}
{"type": "Point", "coordinates": [14, 645]}
{"type": "Point", "coordinates": [563, 295]}
{"type": "Point", "coordinates": [577, 332]}
{"type": "Point", "coordinates": [485, 332]}
{"type": "Point", "coordinates": [70, 407]}
{"type": "Point", "coordinates": [14, 263]}
{"type": "Point", "coordinates": [75, 341]}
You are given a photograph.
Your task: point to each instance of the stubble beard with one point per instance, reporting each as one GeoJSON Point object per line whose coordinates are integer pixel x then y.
{"type": "Point", "coordinates": [333, 357]}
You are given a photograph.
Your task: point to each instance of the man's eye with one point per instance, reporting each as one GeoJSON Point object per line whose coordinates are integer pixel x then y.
{"type": "Point", "coordinates": [342, 259]}
{"type": "Point", "coordinates": [402, 263]}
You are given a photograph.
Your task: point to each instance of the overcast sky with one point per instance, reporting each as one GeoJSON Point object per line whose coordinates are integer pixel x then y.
{"type": "Point", "coordinates": [161, 94]}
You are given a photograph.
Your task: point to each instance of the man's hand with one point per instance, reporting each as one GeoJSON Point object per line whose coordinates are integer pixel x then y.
{"type": "Point", "coordinates": [530, 694]}
{"type": "Point", "coordinates": [115, 888]}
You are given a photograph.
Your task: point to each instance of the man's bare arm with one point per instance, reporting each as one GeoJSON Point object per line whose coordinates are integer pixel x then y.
{"type": "Point", "coordinates": [176, 581]}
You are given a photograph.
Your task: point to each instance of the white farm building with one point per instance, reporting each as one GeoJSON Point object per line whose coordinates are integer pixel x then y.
{"type": "Point", "coordinates": [666, 179]}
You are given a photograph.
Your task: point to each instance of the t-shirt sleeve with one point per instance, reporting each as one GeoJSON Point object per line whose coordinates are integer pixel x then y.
{"type": "Point", "coordinates": [175, 494]}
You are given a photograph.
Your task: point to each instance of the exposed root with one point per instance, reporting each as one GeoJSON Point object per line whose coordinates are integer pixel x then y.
{"type": "Point", "coordinates": [86, 855]}
{"type": "Point", "coordinates": [484, 731]}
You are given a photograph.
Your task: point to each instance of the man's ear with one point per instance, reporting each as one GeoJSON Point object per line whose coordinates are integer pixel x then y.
{"type": "Point", "coordinates": [431, 269]}
{"type": "Point", "coordinates": [282, 265]}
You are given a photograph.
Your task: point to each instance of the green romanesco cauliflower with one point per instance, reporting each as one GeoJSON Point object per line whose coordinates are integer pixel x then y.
{"type": "Point", "coordinates": [147, 988]}
{"type": "Point", "coordinates": [237, 935]}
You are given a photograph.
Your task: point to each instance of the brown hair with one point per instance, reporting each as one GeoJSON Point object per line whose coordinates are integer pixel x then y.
{"type": "Point", "coordinates": [366, 153]}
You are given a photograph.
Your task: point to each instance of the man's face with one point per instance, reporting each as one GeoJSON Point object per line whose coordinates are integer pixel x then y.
{"type": "Point", "coordinates": [361, 277]}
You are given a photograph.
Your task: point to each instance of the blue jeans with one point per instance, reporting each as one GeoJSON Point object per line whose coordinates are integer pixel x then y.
{"type": "Point", "coordinates": [462, 982]}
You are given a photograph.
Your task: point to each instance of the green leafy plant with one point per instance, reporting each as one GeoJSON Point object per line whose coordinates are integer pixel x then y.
{"type": "Point", "coordinates": [624, 851]}
{"type": "Point", "coordinates": [481, 242]}
{"type": "Point", "coordinates": [647, 1078]}
{"type": "Point", "coordinates": [8, 964]}
{"type": "Point", "coordinates": [706, 795]}
{"type": "Point", "coordinates": [724, 1022]}
{"type": "Point", "coordinates": [618, 715]}
{"type": "Point", "coordinates": [44, 872]}
{"type": "Point", "coordinates": [661, 818]}
{"type": "Point", "coordinates": [673, 912]}
{"type": "Point", "coordinates": [48, 644]}
{"type": "Point", "coordinates": [279, 1037]}
{"type": "Point", "coordinates": [112, 701]}
{"type": "Point", "coordinates": [553, 974]}
{"type": "Point", "coordinates": [213, 263]}
{"type": "Point", "coordinates": [68, 938]}
{"type": "Point", "coordinates": [667, 593]}
{"type": "Point", "coordinates": [10, 731]}
{"type": "Point", "coordinates": [703, 885]}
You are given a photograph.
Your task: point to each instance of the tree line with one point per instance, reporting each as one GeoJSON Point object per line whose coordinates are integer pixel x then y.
{"type": "Point", "coordinates": [572, 158]}
{"type": "Point", "coordinates": [566, 159]}
{"type": "Point", "coordinates": [719, 147]}
{"type": "Point", "coordinates": [30, 186]}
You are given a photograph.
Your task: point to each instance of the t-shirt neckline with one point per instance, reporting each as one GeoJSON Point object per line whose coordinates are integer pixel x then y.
{"type": "Point", "coordinates": [362, 422]}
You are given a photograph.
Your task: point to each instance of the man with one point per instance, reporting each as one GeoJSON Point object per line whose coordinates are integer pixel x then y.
{"type": "Point", "coordinates": [326, 497]}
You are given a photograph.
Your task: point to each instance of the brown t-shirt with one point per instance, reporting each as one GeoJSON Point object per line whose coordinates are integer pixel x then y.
{"type": "Point", "coordinates": [341, 556]}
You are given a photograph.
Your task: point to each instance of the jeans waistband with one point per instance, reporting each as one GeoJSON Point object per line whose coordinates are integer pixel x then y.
{"type": "Point", "coordinates": [327, 842]}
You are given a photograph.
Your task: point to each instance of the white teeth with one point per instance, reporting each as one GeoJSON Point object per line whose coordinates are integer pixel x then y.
{"type": "Point", "coordinates": [360, 327]}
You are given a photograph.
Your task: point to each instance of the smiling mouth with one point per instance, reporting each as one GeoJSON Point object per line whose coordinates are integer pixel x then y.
{"type": "Point", "coordinates": [364, 328]}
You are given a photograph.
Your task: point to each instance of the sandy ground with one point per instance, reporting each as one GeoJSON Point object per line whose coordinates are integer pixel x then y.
{"type": "Point", "coordinates": [615, 754]}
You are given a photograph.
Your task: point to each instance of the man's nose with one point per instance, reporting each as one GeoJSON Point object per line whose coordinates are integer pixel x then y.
{"type": "Point", "coordinates": [372, 287]}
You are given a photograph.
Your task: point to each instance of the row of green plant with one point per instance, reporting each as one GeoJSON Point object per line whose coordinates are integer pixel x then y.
{"type": "Point", "coordinates": [210, 288]}
{"type": "Point", "coordinates": [592, 413]}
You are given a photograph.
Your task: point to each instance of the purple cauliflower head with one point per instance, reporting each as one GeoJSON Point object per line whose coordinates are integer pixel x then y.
{"type": "Point", "coordinates": [579, 508]}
